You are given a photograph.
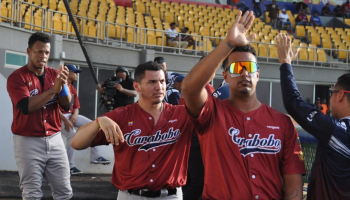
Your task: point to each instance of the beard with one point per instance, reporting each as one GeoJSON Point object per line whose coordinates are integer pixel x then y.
{"type": "Point", "coordinates": [154, 102]}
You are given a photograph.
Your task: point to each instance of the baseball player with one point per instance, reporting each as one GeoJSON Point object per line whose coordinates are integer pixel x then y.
{"type": "Point", "coordinates": [330, 174]}
{"type": "Point", "coordinates": [35, 91]}
{"type": "Point", "coordinates": [71, 119]}
{"type": "Point", "coordinates": [169, 76]}
{"type": "Point", "coordinates": [250, 151]}
{"type": "Point", "coordinates": [150, 139]}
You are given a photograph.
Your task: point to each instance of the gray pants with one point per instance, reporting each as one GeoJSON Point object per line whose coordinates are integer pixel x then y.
{"type": "Point", "coordinates": [124, 195]}
{"type": "Point", "coordinates": [42, 157]}
{"type": "Point", "coordinates": [81, 121]}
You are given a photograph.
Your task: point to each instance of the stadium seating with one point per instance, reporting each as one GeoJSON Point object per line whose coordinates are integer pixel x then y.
{"type": "Point", "coordinates": [145, 22]}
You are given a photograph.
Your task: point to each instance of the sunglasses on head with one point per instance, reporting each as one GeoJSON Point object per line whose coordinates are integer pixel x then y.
{"type": "Point", "coordinates": [237, 67]}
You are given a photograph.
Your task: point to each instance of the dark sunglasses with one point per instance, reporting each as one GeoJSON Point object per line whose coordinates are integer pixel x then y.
{"type": "Point", "coordinates": [237, 67]}
{"type": "Point", "coordinates": [331, 91]}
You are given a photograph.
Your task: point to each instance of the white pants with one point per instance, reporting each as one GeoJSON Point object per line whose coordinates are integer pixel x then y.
{"type": "Point", "coordinates": [81, 121]}
{"type": "Point", "coordinates": [42, 157]}
{"type": "Point", "coordinates": [125, 195]}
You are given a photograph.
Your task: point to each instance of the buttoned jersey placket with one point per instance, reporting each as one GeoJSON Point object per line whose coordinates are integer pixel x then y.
{"type": "Point", "coordinates": [252, 173]}
{"type": "Point", "coordinates": [153, 153]}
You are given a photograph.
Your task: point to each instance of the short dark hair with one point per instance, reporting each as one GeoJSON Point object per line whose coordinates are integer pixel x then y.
{"type": "Point", "coordinates": [186, 29]}
{"type": "Point", "coordinates": [315, 12]}
{"type": "Point", "coordinates": [172, 23]}
{"type": "Point", "coordinates": [141, 69]}
{"type": "Point", "coordinates": [343, 83]}
{"type": "Point", "coordinates": [246, 48]}
{"type": "Point", "coordinates": [38, 36]}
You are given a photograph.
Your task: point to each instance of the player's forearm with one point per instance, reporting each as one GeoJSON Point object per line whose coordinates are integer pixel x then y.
{"type": "Point", "coordinates": [36, 102]}
{"type": "Point", "coordinates": [293, 186]}
{"type": "Point", "coordinates": [64, 101]}
{"type": "Point", "coordinates": [204, 70]}
{"type": "Point", "coordinates": [131, 93]}
{"type": "Point", "coordinates": [75, 111]}
{"type": "Point", "coordinates": [85, 135]}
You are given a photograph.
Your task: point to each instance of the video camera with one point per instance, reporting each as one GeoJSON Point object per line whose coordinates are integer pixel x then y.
{"type": "Point", "coordinates": [109, 92]}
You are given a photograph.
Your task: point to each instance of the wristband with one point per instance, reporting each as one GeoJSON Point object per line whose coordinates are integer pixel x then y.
{"type": "Point", "coordinates": [98, 124]}
{"type": "Point", "coordinates": [64, 92]}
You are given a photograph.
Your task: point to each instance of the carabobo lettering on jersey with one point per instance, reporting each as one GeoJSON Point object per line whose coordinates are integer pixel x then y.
{"type": "Point", "coordinates": [268, 145]}
{"type": "Point", "coordinates": [150, 142]}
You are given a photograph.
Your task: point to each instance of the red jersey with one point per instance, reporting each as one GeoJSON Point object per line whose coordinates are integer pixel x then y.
{"type": "Point", "coordinates": [76, 103]}
{"type": "Point", "coordinates": [46, 121]}
{"type": "Point", "coordinates": [152, 157]}
{"type": "Point", "coordinates": [302, 18]}
{"type": "Point", "coordinates": [345, 8]}
{"type": "Point", "coordinates": [245, 154]}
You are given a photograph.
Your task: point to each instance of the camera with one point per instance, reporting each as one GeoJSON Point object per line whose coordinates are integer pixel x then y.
{"type": "Point", "coordinates": [109, 92]}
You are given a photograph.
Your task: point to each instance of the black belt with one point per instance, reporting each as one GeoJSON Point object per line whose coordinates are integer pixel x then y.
{"type": "Point", "coordinates": [150, 193]}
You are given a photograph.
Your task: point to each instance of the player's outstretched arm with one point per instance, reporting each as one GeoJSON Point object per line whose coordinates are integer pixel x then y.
{"type": "Point", "coordinates": [193, 85]}
{"type": "Point", "coordinates": [293, 186]}
{"type": "Point", "coordinates": [86, 134]}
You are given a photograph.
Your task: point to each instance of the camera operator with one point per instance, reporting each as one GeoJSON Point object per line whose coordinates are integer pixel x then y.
{"type": "Point", "coordinates": [124, 92]}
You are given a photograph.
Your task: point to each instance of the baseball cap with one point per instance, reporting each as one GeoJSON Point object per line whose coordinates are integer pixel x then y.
{"type": "Point", "coordinates": [159, 60]}
{"type": "Point", "coordinates": [283, 9]}
{"type": "Point", "coordinates": [179, 78]}
{"type": "Point", "coordinates": [73, 68]}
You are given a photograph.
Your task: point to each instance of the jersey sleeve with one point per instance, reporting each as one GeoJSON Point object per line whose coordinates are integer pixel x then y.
{"type": "Point", "coordinates": [115, 115]}
{"type": "Point", "coordinates": [293, 160]}
{"type": "Point", "coordinates": [204, 121]}
{"type": "Point", "coordinates": [17, 88]}
{"type": "Point", "coordinates": [308, 117]}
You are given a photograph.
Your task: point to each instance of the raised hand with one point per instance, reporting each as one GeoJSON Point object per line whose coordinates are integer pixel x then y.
{"type": "Point", "coordinates": [111, 129]}
{"type": "Point", "coordinates": [236, 36]}
{"type": "Point", "coordinates": [61, 79]}
{"type": "Point", "coordinates": [284, 49]}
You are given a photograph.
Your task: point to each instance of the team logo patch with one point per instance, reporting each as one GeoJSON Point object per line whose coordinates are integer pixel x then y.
{"type": "Point", "coordinates": [130, 123]}
{"type": "Point", "coordinates": [268, 145]}
{"type": "Point", "coordinates": [34, 92]}
{"type": "Point", "coordinates": [153, 141]}
{"type": "Point", "coordinates": [342, 125]}
{"type": "Point", "coordinates": [311, 116]}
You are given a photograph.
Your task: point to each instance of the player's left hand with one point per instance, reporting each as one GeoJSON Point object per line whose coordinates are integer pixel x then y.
{"type": "Point", "coordinates": [284, 49]}
{"type": "Point", "coordinates": [73, 118]}
{"type": "Point", "coordinates": [118, 87]}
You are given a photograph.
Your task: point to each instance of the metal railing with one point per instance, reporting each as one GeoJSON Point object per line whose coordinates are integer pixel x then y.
{"type": "Point", "coordinates": [24, 15]}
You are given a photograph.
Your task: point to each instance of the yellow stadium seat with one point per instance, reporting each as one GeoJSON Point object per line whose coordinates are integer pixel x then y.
{"type": "Point", "coordinates": [312, 54]}
{"type": "Point", "coordinates": [255, 46]}
{"type": "Point", "coordinates": [273, 51]}
{"type": "Point", "coordinates": [321, 55]}
{"type": "Point", "coordinates": [342, 54]}
{"type": "Point", "coordinates": [315, 39]}
{"type": "Point", "coordinates": [303, 54]}
{"type": "Point", "coordinates": [300, 31]}
{"type": "Point", "coordinates": [262, 50]}
{"type": "Point", "coordinates": [268, 20]}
